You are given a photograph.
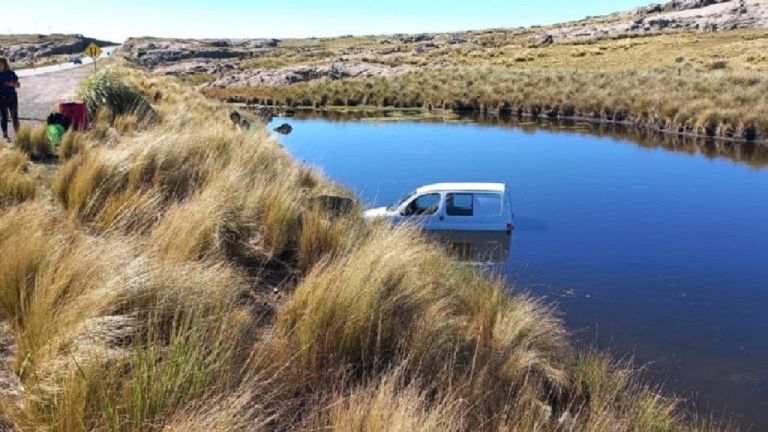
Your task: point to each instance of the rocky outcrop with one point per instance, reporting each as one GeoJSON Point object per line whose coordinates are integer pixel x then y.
{"type": "Point", "coordinates": [47, 46]}
{"type": "Point", "coordinates": [295, 74]}
{"type": "Point", "coordinates": [156, 52]}
{"type": "Point", "coordinates": [195, 67]}
{"type": "Point", "coordinates": [709, 15]}
{"type": "Point", "coordinates": [284, 129]}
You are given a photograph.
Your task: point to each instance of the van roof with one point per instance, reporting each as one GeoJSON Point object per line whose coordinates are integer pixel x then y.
{"type": "Point", "coordinates": [473, 187]}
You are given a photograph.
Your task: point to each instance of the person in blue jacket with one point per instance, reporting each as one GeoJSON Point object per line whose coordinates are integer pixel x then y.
{"type": "Point", "coordinates": [9, 102]}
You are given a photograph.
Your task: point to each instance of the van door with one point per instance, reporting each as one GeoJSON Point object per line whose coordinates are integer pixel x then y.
{"type": "Point", "coordinates": [424, 210]}
{"type": "Point", "coordinates": [489, 212]}
{"type": "Point", "coordinates": [474, 211]}
{"type": "Point", "coordinates": [459, 211]}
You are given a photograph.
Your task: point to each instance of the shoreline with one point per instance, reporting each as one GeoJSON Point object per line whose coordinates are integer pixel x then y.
{"type": "Point", "coordinates": [448, 115]}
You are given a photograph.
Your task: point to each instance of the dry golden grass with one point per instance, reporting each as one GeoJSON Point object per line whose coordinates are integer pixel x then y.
{"type": "Point", "coordinates": [715, 104]}
{"type": "Point", "coordinates": [15, 184]}
{"type": "Point", "coordinates": [708, 84]}
{"type": "Point", "coordinates": [33, 142]}
{"type": "Point", "coordinates": [72, 143]}
{"type": "Point", "coordinates": [389, 405]}
{"type": "Point", "coordinates": [142, 299]}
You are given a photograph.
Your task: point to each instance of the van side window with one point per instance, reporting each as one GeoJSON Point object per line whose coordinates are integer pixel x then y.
{"type": "Point", "coordinates": [424, 205]}
{"type": "Point", "coordinates": [459, 204]}
{"type": "Point", "coordinates": [488, 205]}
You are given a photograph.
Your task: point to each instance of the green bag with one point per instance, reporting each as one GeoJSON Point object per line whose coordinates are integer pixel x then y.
{"type": "Point", "coordinates": [55, 132]}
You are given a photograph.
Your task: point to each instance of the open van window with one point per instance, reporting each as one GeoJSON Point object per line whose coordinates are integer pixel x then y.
{"type": "Point", "coordinates": [401, 201]}
{"type": "Point", "coordinates": [424, 205]}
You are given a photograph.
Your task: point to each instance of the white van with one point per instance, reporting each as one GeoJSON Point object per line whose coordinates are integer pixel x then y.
{"type": "Point", "coordinates": [474, 218]}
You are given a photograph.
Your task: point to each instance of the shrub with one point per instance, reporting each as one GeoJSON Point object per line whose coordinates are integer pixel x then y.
{"type": "Point", "coordinates": [106, 89]}
{"type": "Point", "coordinates": [717, 65]}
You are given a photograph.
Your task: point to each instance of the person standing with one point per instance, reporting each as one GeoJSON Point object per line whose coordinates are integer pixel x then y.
{"type": "Point", "coordinates": [9, 102]}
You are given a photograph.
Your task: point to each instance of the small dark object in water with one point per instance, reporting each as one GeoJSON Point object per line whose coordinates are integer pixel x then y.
{"type": "Point", "coordinates": [336, 205]}
{"type": "Point", "coordinates": [284, 129]}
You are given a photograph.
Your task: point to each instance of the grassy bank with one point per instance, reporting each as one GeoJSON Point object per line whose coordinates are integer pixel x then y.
{"type": "Point", "coordinates": [708, 84]}
{"type": "Point", "coordinates": [172, 277]}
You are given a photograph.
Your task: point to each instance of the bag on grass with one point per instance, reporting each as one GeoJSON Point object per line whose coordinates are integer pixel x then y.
{"type": "Point", "coordinates": [55, 132]}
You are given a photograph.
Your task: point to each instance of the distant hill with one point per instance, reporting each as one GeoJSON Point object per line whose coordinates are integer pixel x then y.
{"type": "Point", "coordinates": [221, 59]}
{"type": "Point", "coordinates": [25, 48]}
{"type": "Point", "coordinates": [692, 67]}
{"type": "Point", "coordinates": [711, 15]}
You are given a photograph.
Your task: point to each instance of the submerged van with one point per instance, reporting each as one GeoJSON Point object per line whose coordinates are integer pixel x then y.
{"type": "Point", "coordinates": [475, 219]}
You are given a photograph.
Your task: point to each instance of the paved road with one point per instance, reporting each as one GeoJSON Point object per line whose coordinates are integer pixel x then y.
{"type": "Point", "coordinates": [105, 53]}
{"type": "Point", "coordinates": [43, 88]}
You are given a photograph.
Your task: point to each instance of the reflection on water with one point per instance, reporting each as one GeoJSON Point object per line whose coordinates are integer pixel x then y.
{"type": "Point", "coordinates": [484, 248]}
{"type": "Point", "coordinates": [750, 153]}
{"type": "Point", "coordinates": [652, 246]}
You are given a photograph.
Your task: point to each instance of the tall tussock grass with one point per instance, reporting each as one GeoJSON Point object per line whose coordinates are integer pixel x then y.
{"type": "Point", "coordinates": [16, 186]}
{"type": "Point", "coordinates": [145, 296]}
{"type": "Point", "coordinates": [72, 143]}
{"type": "Point", "coordinates": [34, 142]}
{"type": "Point", "coordinates": [671, 99]}
{"type": "Point", "coordinates": [108, 335]}
{"type": "Point", "coordinates": [386, 303]}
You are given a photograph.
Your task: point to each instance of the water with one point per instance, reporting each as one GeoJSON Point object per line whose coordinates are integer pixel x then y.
{"type": "Point", "coordinates": [649, 252]}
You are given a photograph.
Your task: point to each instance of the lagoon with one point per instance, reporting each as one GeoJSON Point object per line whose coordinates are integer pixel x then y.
{"type": "Point", "coordinates": [652, 248]}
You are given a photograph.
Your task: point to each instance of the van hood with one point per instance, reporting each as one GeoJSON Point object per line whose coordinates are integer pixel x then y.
{"type": "Point", "coordinates": [377, 213]}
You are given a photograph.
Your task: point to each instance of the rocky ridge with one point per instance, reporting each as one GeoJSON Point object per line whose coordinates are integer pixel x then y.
{"type": "Point", "coordinates": [37, 47]}
{"type": "Point", "coordinates": [155, 52]}
{"type": "Point", "coordinates": [238, 62]}
{"type": "Point", "coordinates": [709, 15]}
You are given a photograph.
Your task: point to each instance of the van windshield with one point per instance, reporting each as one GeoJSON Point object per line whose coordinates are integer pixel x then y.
{"type": "Point", "coordinates": [400, 202]}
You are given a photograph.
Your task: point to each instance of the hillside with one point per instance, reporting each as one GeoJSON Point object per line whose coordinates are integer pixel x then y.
{"type": "Point", "coordinates": [685, 67]}
{"type": "Point", "coordinates": [175, 278]}
{"type": "Point", "coordinates": [21, 50]}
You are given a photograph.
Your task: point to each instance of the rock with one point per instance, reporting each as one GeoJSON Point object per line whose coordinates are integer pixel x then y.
{"type": "Point", "coordinates": [710, 15]}
{"type": "Point", "coordinates": [547, 39]}
{"type": "Point", "coordinates": [266, 114]}
{"type": "Point", "coordinates": [294, 74]}
{"type": "Point", "coordinates": [157, 52]}
{"type": "Point", "coordinates": [29, 51]}
{"type": "Point", "coordinates": [424, 47]}
{"type": "Point", "coordinates": [195, 66]}
{"type": "Point", "coordinates": [284, 129]}
{"type": "Point", "coordinates": [335, 205]}
{"type": "Point", "coordinates": [413, 38]}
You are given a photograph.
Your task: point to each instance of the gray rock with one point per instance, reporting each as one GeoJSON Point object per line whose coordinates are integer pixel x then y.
{"type": "Point", "coordinates": [295, 74]}
{"type": "Point", "coordinates": [156, 52]}
{"type": "Point", "coordinates": [712, 15]}
{"type": "Point", "coordinates": [26, 52]}
{"type": "Point", "coordinates": [284, 129]}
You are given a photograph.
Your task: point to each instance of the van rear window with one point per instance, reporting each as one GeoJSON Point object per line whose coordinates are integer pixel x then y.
{"type": "Point", "coordinates": [487, 205]}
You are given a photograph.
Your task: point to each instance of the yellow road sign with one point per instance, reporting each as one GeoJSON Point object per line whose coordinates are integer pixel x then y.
{"type": "Point", "coordinates": [93, 51]}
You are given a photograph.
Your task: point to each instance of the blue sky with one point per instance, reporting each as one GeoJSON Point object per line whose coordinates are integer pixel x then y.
{"type": "Point", "coordinates": [116, 20]}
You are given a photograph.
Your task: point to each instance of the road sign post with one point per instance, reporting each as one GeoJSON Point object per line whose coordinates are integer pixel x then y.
{"type": "Point", "coordinates": [93, 51]}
